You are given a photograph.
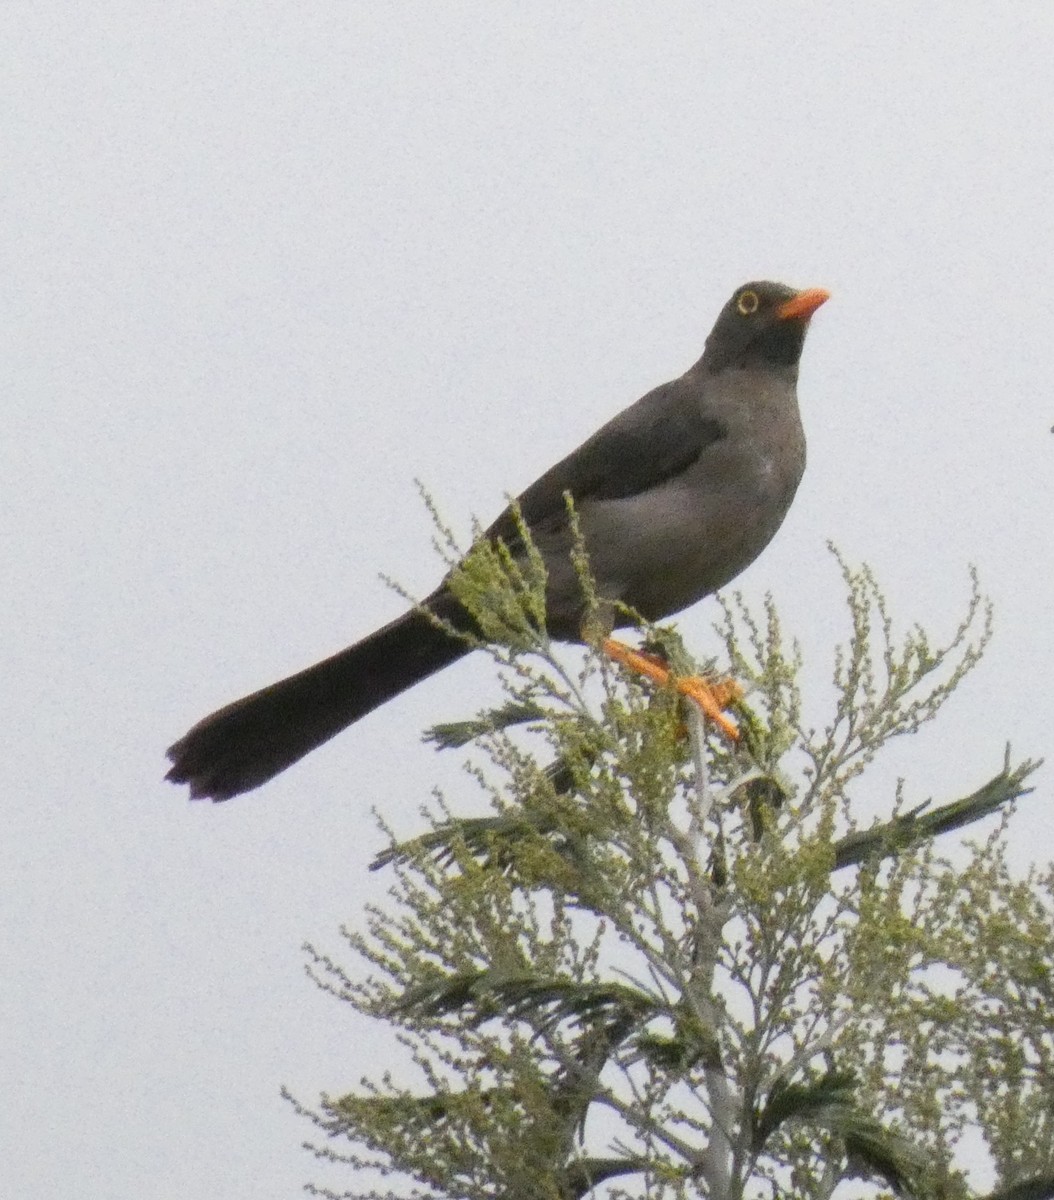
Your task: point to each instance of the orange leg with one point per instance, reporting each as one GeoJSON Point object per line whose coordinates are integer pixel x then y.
{"type": "Point", "coordinates": [711, 697]}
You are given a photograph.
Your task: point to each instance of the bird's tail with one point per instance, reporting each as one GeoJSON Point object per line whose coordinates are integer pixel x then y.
{"type": "Point", "coordinates": [241, 746]}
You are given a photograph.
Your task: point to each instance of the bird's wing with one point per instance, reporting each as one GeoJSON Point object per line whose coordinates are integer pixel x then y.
{"type": "Point", "coordinates": [660, 436]}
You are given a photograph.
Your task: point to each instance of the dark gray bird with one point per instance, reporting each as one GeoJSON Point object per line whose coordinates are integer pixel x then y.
{"type": "Point", "coordinates": [675, 496]}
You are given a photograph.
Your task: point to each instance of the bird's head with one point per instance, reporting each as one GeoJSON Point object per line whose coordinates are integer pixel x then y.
{"type": "Point", "coordinates": [763, 324]}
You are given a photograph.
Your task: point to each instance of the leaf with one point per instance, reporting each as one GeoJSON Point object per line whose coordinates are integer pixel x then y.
{"type": "Point", "coordinates": [873, 1150]}
{"type": "Point", "coordinates": [681, 1052]}
{"type": "Point", "coordinates": [1039, 1187]}
{"type": "Point", "coordinates": [802, 1102]}
{"type": "Point", "coordinates": [451, 735]}
{"type": "Point", "coordinates": [580, 1177]}
{"type": "Point", "coordinates": [916, 826]}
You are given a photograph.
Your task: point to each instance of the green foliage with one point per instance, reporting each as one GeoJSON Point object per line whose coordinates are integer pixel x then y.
{"type": "Point", "coordinates": [665, 966]}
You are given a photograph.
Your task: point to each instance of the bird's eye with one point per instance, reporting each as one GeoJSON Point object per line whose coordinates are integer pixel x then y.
{"type": "Point", "coordinates": [748, 303]}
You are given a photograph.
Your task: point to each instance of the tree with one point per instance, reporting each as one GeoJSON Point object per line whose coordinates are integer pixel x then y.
{"type": "Point", "coordinates": [666, 966]}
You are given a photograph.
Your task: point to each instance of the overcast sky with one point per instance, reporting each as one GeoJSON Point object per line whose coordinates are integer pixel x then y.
{"type": "Point", "coordinates": [262, 265]}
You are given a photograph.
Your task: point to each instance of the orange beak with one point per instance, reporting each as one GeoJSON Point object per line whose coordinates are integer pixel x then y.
{"type": "Point", "coordinates": [803, 305]}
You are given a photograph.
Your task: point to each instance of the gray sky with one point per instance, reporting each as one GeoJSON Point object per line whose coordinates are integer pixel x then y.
{"type": "Point", "coordinates": [262, 265]}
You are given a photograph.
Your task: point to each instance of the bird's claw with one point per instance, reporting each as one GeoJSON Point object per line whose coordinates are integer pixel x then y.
{"type": "Point", "coordinates": [711, 696]}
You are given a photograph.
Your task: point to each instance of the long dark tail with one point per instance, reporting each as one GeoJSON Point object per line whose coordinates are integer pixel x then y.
{"type": "Point", "coordinates": [239, 747]}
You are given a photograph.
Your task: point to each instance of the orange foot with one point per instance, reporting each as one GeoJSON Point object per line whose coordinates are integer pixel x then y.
{"type": "Point", "coordinates": [712, 697]}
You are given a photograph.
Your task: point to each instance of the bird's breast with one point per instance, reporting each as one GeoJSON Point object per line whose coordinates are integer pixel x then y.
{"type": "Point", "coordinates": [667, 547]}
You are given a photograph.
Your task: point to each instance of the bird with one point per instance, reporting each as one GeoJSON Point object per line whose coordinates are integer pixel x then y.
{"type": "Point", "coordinates": [674, 496]}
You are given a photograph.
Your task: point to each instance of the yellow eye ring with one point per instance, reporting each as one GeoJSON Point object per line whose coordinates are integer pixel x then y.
{"type": "Point", "coordinates": [748, 303]}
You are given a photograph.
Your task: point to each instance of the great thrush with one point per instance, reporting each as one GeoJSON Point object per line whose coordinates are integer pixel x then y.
{"type": "Point", "coordinates": [675, 496]}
